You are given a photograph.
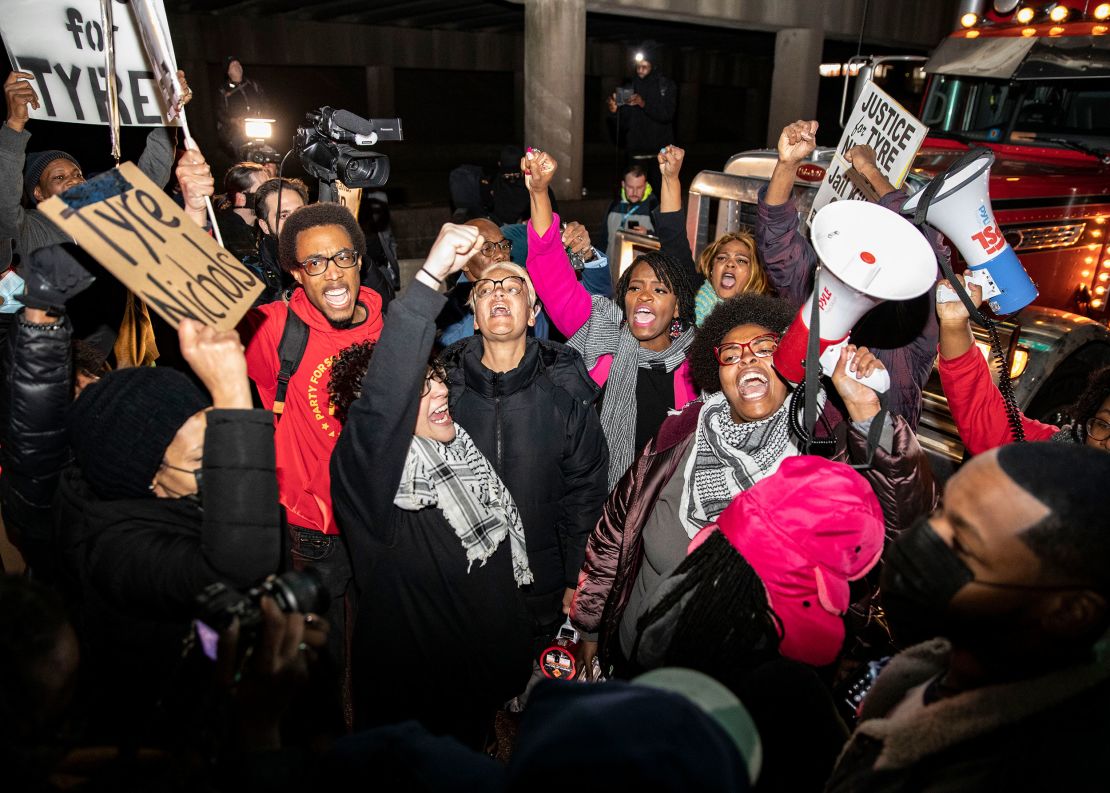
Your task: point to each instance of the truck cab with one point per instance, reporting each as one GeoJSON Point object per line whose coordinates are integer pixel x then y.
{"type": "Point", "coordinates": [1038, 94]}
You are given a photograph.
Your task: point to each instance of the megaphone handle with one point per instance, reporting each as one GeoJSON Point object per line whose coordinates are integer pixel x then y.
{"type": "Point", "coordinates": [878, 381]}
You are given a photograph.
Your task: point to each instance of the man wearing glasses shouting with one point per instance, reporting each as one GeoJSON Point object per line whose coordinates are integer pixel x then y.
{"type": "Point", "coordinates": [290, 349]}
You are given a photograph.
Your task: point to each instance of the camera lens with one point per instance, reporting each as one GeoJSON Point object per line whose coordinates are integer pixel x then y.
{"type": "Point", "coordinates": [299, 590]}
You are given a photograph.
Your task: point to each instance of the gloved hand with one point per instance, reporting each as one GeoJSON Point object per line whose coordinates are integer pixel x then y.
{"type": "Point", "coordinates": [53, 277]}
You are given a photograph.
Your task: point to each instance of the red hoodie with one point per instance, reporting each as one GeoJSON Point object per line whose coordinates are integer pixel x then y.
{"type": "Point", "coordinates": [307, 432]}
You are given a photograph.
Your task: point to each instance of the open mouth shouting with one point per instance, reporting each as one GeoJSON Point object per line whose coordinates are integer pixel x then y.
{"type": "Point", "coordinates": [440, 416]}
{"type": "Point", "coordinates": [643, 317]}
{"type": "Point", "coordinates": [752, 383]}
{"type": "Point", "coordinates": [338, 297]}
{"type": "Point", "coordinates": [728, 280]}
{"type": "Point", "coordinates": [500, 308]}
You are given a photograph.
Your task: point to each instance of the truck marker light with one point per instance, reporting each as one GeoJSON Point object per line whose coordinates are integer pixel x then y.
{"type": "Point", "coordinates": [1025, 15]}
{"type": "Point", "coordinates": [972, 34]}
{"type": "Point", "coordinates": [1027, 32]}
{"type": "Point", "coordinates": [1056, 31]}
{"type": "Point", "coordinates": [1102, 11]}
{"type": "Point", "coordinates": [1096, 304]}
{"type": "Point", "coordinates": [969, 19]}
{"type": "Point", "coordinates": [1059, 13]}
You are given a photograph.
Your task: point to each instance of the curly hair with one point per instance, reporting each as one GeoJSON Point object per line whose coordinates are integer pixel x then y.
{"type": "Point", "coordinates": [671, 272]}
{"type": "Point", "coordinates": [310, 217]}
{"type": "Point", "coordinates": [757, 279]}
{"type": "Point", "coordinates": [1089, 402]}
{"type": "Point", "coordinates": [749, 308]}
{"type": "Point", "coordinates": [347, 371]}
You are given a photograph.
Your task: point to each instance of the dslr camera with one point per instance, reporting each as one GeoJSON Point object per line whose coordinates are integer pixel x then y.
{"type": "Point", "coordinates": [218, 605]}
{"type": "Point", "coordinates": [624, 95]}
{"type": "Point", "coordinates": [334, 145]}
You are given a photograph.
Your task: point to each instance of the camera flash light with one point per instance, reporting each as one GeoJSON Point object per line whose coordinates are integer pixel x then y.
{"type": "Point", "coordinates": [259, 128]}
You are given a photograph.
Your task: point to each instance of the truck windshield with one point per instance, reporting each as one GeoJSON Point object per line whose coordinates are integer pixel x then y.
{"type": "Point", "coordinates": [973, 108]}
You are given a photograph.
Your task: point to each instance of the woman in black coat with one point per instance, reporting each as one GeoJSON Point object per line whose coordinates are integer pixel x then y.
{"type": "Point", "coordinates": [437, 545]}
{"type": "Point", "coordinates": [528, 405]}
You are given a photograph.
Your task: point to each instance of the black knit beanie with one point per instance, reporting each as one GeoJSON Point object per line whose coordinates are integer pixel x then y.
{"type": "Point", "coordinates": [34, 166]}
{"type": "Point", "coordinates": [121, 425]}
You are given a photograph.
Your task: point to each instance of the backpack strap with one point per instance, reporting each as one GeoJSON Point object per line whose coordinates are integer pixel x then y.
{"type": "Point", "coordinates": [294, 340]}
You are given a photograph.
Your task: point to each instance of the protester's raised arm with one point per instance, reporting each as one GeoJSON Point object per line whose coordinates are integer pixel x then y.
{"type": "Point", "coordinates": [195, 178]}
{"type": "Point", "coordinates": [670, 192]}
{"type": "Point", "coordinates": [539, 168]}
{"type": "Point", "coordinates": [797, 141]}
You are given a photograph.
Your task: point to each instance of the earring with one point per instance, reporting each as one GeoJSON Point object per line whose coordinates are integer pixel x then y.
{"type": "Point", "coordinates": [676, 328]}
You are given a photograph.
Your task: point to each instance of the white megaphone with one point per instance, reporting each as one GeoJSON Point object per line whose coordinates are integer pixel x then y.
{"type": "Point", "coordinates": [869, 254]}
{"type": "Point", "coordinates": [957, 203]}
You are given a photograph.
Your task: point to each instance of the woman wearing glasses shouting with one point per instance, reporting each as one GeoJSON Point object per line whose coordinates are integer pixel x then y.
{"type": "Point", "coordinates": [702, 458]}
{"type": "Point", "coordinates": [977, 405]}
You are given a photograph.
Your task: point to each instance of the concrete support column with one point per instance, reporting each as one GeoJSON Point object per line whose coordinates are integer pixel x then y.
{"type": "Point", "coordinates": [379, 92]}
{"type": "Point", "coordinates": [795, 79]}
{"type": "Point", "coordinates": [555, 86]}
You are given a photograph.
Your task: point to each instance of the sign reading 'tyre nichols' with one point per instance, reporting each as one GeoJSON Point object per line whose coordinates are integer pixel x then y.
{"type": "Point", "coordinates": [147, 241]}
{"type": "Point", "coordinates": [892, 131]}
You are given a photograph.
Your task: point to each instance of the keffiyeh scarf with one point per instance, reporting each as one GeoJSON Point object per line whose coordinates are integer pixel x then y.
{"type": "Point", "coordinates": [605, 333]}
{"type": "Point", "coordinates": [728, 458]}
{"type": "Point", "coordinates": [458, 479]}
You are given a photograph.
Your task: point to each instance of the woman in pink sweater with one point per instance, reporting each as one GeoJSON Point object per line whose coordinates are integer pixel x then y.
{"type": "Point", "coordinates": [634, 345]}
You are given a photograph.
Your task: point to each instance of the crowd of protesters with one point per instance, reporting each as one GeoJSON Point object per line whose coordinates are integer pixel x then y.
{"type": "Point", "coordinates": [337, 544]}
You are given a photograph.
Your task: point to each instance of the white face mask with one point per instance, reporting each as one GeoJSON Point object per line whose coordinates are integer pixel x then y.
{"type": "Point", "coordinates": [11, 287]}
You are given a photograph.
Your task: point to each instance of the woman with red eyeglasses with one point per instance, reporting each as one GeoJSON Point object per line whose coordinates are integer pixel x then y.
{"type": "Point", "coordinates": [718, 446]}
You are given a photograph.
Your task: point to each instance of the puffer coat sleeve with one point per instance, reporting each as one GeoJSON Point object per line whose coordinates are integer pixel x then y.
{"type": "Point", "coordinates": [901, 478]}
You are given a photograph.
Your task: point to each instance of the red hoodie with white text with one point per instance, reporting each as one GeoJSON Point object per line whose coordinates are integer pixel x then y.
{"type": "Point", "coordinates": [307, 431]}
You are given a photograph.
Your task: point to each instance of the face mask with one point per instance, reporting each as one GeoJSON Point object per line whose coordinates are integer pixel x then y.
{"type": "Point", "coordinates": [920, 576]}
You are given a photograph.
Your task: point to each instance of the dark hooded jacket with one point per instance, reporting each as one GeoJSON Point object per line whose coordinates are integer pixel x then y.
{"type": "Point", "coordinates": [902, 480]}
{"type": "Point", "coordinates": [648, 128]}
{"type": "Point", "coordinates": [536, 424]}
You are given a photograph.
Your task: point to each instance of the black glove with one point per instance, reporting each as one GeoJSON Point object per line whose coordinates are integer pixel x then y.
{"type": "Point", "coordinates": [53, 276]}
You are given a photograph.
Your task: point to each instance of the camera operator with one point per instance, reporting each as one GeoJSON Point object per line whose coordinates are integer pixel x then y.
{"type": "Point", "coordinates": [240, 98]}
{"type": "Point", "coordinates": [236, 213]}
{"type": "Point", "coordinates": [264, 262]}
{"type": "Point", "coordinates": [645, 117]}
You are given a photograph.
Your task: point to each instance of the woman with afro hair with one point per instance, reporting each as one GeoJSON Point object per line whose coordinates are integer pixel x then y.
{"type": "Point", "coordinates": [737, 434]}
{"type": "Point", "coordinates": [634, 345]}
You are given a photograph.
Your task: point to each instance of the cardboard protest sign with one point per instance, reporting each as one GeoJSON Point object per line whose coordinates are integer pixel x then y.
{"type": "Point", "coordinates": [146, 240]}
{"type": "Point", "coordinates": [62, 45]}
{"type": "Point", "coordinates": [892, 131]}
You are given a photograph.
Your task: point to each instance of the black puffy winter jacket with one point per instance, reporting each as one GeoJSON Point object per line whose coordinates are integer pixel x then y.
{"type": "Point", "coordinates": [538, 427]}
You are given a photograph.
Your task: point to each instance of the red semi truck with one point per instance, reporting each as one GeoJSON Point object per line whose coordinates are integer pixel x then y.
{"type": "Point", "coordinates": [1034, 86]}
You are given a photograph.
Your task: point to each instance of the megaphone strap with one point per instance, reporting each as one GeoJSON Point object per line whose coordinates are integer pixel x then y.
{"type": "Point", "coordinates": [937, 184]}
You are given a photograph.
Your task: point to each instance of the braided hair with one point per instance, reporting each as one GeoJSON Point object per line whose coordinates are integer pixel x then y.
{"type": "Point", "coordinates": [724, 624]}
{"type": "Point", "coordinates": [672, 273]}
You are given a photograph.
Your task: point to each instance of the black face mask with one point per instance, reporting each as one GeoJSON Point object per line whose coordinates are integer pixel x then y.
{"type": "Point", "coordinates": [920, 576]}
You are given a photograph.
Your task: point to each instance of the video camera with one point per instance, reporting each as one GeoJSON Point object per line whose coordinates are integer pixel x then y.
{"type": "Point", "coordinates": [332, 145]}
{"type": "Point", "coordinates": [300, 591]}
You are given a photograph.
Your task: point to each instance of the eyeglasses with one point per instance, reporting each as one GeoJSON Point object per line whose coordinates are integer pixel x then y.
{"type": "Point", "coordinates": [761, 347]}
{"type": "Point", "coordinates": [512, 284]}
{"type": "Point", "coordinates": [1097, 429]}
{"type": "Point", "coordinates": [316, 265]}
{"type": "Point", "coordinates": [505, 246]}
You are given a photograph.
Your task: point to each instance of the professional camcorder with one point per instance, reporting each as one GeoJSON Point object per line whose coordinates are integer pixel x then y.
{"type": "Point", "coordinates": [218, 605]}
{"type": "Point", "coordinates": [332, 145]}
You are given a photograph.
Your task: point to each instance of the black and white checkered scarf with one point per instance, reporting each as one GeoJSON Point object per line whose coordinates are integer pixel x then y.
{"type": "Point", "coordinates": [605, 333]}
{"type": "Point", "coordinates": [728, 458]}
{"type": "Point", "coordinates": [458, 479]}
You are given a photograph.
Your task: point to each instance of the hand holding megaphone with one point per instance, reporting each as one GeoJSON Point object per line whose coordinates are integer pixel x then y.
{"type": "Point", "coordinates": [855, 367]}
{"type": "Point", "coordinates": [861, 366]}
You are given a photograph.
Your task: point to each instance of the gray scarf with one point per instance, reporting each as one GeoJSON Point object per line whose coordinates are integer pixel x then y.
{"type": "Point", "coordinates": [728, 458]}
{"type": "Point", "coordinates": [605, 333]}
{"type": "Point", "coordinates": [458, 479]}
